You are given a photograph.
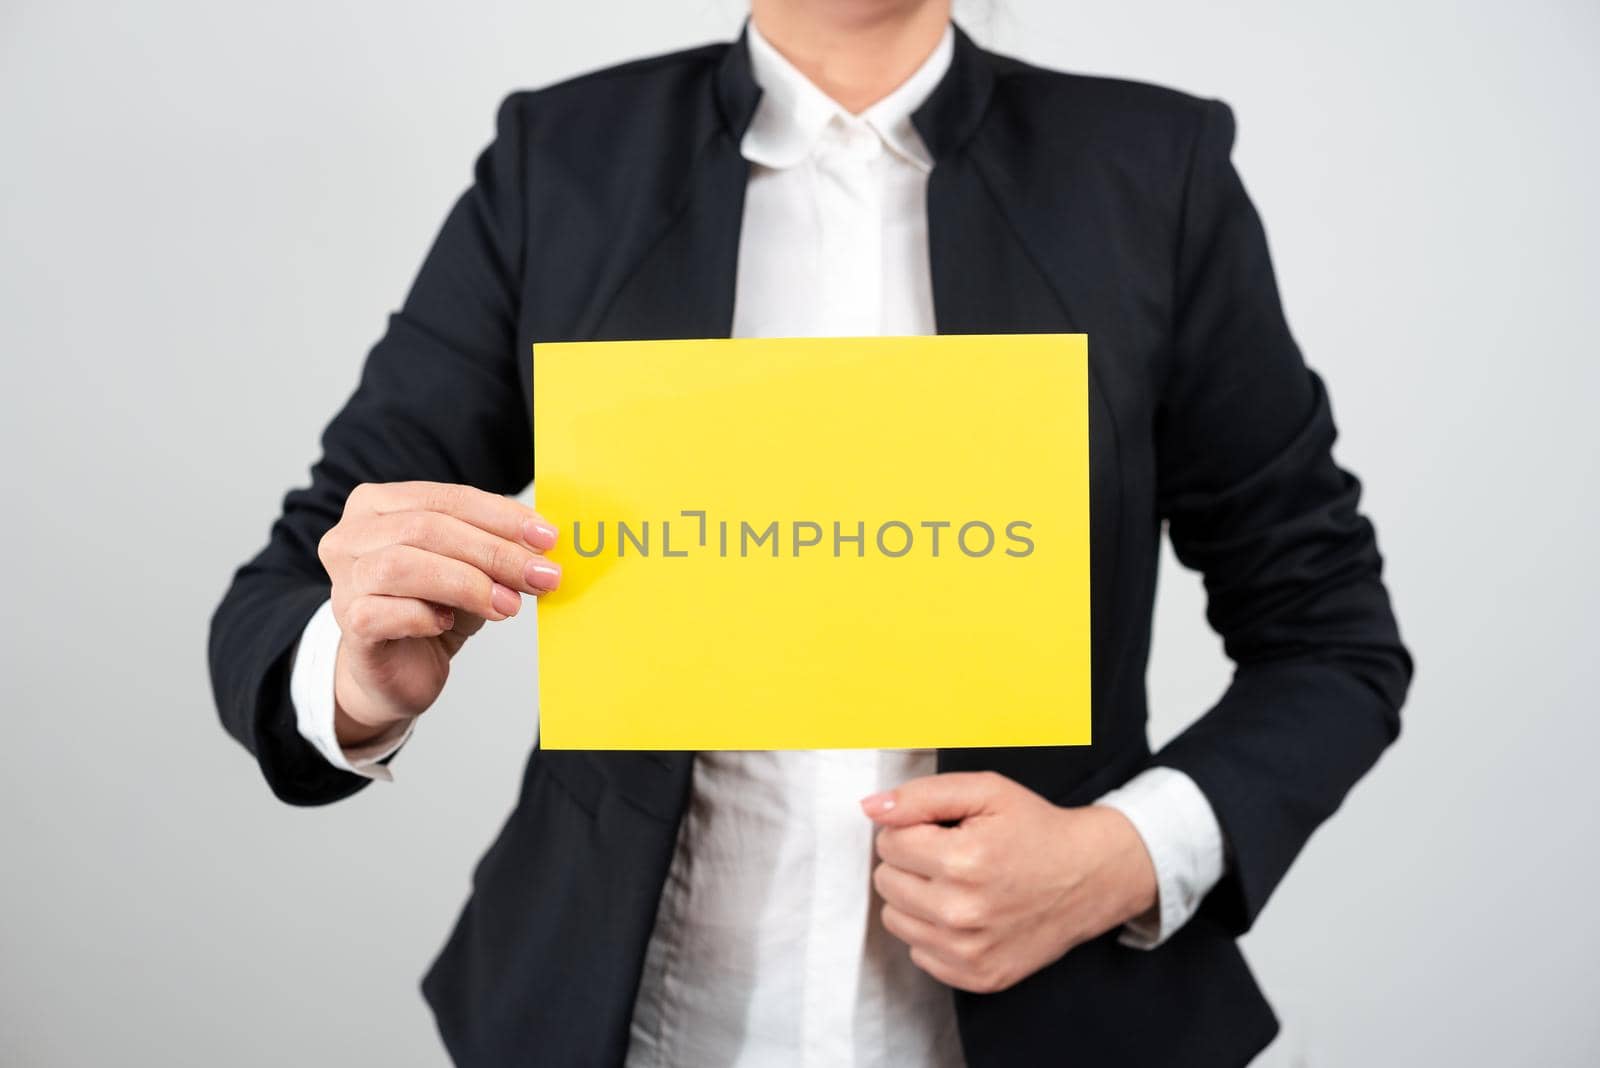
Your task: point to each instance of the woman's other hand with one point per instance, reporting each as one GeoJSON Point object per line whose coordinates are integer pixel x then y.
{"type": "Point", "coordinates": [988, 882]}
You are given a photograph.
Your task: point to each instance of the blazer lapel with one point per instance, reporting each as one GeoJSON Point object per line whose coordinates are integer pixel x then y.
{"type": "Point", "coordinates": [682, 286]}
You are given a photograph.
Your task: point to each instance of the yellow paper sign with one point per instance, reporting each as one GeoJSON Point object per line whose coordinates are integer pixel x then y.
{"type": "Point", "coordinates": [815, 543]}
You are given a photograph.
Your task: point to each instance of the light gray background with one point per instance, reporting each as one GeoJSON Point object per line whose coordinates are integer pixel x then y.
{"type": "Point", "coordinates": [207, 209]}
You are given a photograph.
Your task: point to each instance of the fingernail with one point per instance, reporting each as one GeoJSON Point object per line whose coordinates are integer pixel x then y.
{"type": "Point", "coordinates": [506, 600]}
{"type": "Point", "coordinates": [539, 533]}
{"type": "Point", "coordinates": [542, 574]}
{"type": "Point", "coordinates": [878, 804]}
{"type": "Point", "coordinates": [446, 618]}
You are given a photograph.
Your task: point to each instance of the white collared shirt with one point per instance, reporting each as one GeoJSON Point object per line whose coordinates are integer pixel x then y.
{"type": "Point", "coordinates": [767, 947]}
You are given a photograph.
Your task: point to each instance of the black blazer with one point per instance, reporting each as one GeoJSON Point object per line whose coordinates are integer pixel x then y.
{"type": "Point", "coordinates": [609, 207]}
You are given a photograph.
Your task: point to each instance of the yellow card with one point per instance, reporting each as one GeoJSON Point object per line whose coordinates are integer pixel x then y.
{"type": "Point", "coordinates": [815, 543]}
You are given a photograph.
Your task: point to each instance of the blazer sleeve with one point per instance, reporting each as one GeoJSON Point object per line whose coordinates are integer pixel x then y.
{"type": "Point", "coordinates": [439, 399]}
{"type": "Point", "coordinates": [1247, 484]}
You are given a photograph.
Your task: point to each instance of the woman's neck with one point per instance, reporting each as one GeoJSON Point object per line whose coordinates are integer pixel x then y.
{"type": "Point", "coordinates": [856, 51]}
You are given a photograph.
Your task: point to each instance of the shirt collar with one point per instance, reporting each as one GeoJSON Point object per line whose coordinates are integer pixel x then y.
{"type": "Point", "coordinates": [793, 112]}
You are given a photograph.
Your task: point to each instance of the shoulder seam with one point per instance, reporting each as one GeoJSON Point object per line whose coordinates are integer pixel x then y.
{"type": "Point", "coordinates": [1018, 70]}
{"type": "Point", "coordinates": [685, 57]}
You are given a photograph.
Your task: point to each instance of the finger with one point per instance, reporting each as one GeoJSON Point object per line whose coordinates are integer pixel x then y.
{"type": "Point", "coordinates": [951, 975]}
{"type": "Point", "coordinates": [498, 515]}
{"type": "Point", "coordinates": [955, 795]}
{"type": "Point", "coordinates": [919, 848]}
{"type": "Point", "coordinates": [510, 563]}
{"type": "Point", "coordinates": [374, 618]}
{"type": "Point", "coordinates": [466, 625]}
{"type": "Point", "coordinates": [405, 571]}
{"type": "Point", "coordinates": [923, 936]}
{"type": "Point", "coordinates": [916, 895]}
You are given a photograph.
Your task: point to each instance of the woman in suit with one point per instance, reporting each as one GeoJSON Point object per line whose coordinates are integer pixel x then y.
{"type": "Point", "coordinates": [849, 167]}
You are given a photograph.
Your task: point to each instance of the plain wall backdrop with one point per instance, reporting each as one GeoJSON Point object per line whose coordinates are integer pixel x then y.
{"type": "Point", "coordinates": [206, 211]}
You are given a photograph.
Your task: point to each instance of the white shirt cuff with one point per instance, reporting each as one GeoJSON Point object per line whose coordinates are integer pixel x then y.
{"type": "Point", "coordinates": [1181, 832]}
{"type": "Point", "coordinates": [311, 692]}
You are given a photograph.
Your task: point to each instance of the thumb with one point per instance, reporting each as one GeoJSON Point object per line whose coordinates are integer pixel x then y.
{"type": "Point", "coordinates": [947, 798]}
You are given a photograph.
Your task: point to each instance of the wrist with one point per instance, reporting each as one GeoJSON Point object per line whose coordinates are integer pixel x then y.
{"type": "Point", "coordinates": [353, 726]}
{"type": "Point", "coordinates": [353, 733]}
{"type": "Point", "coordinates": [1129, 864]}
